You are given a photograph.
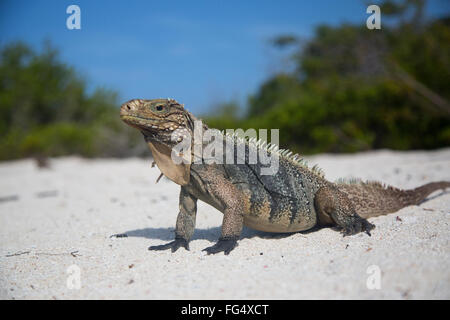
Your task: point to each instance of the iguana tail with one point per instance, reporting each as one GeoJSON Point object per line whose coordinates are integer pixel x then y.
{"type": "Point", "coordinates": [372, 199]}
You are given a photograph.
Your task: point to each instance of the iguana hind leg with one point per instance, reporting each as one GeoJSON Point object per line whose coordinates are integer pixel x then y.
{"type": "Point", "coordinates": [185, 223]}
{"type": "Point", "coordinates": [334, 207]}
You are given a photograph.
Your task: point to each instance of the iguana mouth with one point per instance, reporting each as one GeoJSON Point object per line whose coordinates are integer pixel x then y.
{"type": "Point", "coordinates": [141, 122]}
{"type": "Point", "coordinates": [148, 123]}
{"type": "Point", "coordinates": [126, 117]}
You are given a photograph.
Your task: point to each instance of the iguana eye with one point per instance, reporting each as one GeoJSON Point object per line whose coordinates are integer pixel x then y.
{"type": "Point", "coordinates": [160, 108]}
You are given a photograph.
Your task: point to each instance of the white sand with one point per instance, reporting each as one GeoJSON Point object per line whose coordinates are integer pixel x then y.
{"type": "Point", "coordinates": [88, 200]}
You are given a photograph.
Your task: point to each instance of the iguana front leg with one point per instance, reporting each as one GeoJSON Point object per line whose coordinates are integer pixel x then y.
{"type": "Point", "coordinates": [233, 219]}
{"type": "Point", "coordinates": [185, 223]}
{"type": "Point", "coordinates": [231, 230]}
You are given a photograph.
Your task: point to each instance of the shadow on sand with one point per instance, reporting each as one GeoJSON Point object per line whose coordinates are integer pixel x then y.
{"type": "Point", "coordinates": [210, 234]}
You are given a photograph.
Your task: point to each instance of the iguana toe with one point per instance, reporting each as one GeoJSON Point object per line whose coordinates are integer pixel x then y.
{"type": "Point", "coordinates": [174, 245]}
{"type": "Point", "coordinates": [119, 235]}
{"type": "Point", "coordinates": [224, 244]}
{"type": "Point", "coordinates": [367, 226]}
{"type": "Point", "coordinates": [357, 225]}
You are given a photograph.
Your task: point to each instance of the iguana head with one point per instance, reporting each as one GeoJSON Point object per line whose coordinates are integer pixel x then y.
{"type": "Point", "coordinates": [158, 119]}
{"type": "Point", "coordinates": [163, 122]}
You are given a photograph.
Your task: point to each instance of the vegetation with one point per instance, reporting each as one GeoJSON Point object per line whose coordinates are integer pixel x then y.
{"type": "Point", "coordinates": [351, 89]}
{"type": "Point", "coordinates": [358, 89]}
{"type": "Point", "coordinates": [45, 110]}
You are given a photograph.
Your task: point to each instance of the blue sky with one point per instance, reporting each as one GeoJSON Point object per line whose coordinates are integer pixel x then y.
{"type": "Point", "coordinates": [198, 52]}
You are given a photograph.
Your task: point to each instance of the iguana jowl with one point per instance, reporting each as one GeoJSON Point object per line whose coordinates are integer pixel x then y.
{"type": "Point", "coordinates": [296, 198]}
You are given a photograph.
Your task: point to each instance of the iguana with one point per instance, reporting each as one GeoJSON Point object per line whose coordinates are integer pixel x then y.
{"type": "Point", "coordinates": [296, 198]}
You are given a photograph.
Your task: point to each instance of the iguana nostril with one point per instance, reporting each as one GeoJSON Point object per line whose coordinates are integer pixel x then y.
{"type": "Point", "coordinates": [126, 108]}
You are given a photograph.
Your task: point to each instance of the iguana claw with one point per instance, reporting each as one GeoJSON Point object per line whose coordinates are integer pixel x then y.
{"type": "Point", "coordinates": [359, 225]}
{"type": "Point", "coordinates": [119, 235]}
{"type": "Point", "coordinates": [224, 244]}
{"type": "Point", "coordinates": [174, 245]}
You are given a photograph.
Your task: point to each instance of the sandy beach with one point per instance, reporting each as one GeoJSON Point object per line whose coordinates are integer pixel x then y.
{"type": "Point", "coordinates": [56, 223]}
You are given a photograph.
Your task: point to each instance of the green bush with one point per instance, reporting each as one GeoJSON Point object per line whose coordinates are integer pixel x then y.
{"type": "Point", "coordinates": [58, 139]}
{"type": "Point", "coordinates": [45, 110]}
{"type": "Point", "coordinates": [356, 89]}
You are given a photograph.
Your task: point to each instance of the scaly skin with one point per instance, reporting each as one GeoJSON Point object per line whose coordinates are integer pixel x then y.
{"type": "Point", "coordinates": [295, 199]}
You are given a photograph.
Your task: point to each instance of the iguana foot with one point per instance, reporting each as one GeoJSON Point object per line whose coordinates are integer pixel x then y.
{"type": "Point", "coordinates": [333, 205]}
{"type": "Point", "coordinates": [357, 224]}
{"type": "Point", "coordinates": [225, 244]}
{"type": "Point", "coordinates": [174, 245]}
{"type": "Point", "coordinates": [119, 235]}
